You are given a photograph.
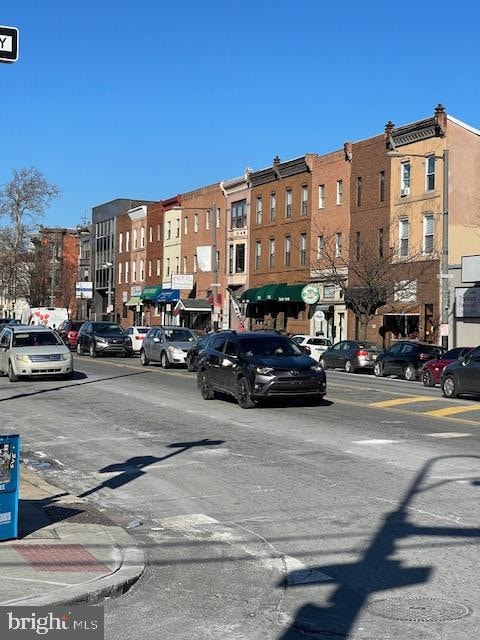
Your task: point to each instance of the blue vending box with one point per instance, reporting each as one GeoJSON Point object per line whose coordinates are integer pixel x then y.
{"type": "Point", "coordinates": [9, 486]}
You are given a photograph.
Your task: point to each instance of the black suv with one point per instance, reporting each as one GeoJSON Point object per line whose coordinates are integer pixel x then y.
{"type": "Point", "coordinates": [254, 365]}
{"type": "Point", "coordinates": [406, 358]}
{"type": "Point", "coordinates": [103, 338]}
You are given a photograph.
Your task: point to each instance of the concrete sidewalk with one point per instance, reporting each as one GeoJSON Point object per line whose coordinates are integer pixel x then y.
{"type": "Point", "coordinates": [67, 551]}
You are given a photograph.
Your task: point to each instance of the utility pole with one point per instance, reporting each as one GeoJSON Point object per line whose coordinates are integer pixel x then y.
{"type": "Point", "coordinates": [215, 267]}
{"type": "Point", "coordinates": [444, 275]}
{"type": "Point", "coordinates": [53, 274]}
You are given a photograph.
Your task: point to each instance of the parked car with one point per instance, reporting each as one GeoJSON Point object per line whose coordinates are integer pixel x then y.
{"type": "Point", "coordinates": [406, 358]}
{"type": "Point", "coordinates": [137, 336]}
{"type": "Point", "coordinates": [316, 345]}
{"type": "Point", "coordinates": [350, 355]}
{"type": "Point", "coordinates": [432, 369]}
{"type": "Point", "coordinates": [254, 365]}
{"type": "Point", "coordinates": [33, 351]}
{"type": "Point", "coordinates": [193, 355]}
{"type": "Point", "coordinates": [68, 331]}
{"type": "Point", "coordinates": [168, 345]}
{"type": "Point", "coordinates": [103, 338]}
{"type": "Point", "coordinates": [462, 376]}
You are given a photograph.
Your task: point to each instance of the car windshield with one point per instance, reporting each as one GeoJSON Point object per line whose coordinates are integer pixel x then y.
{"type": "Point", "coordinates": [432, 349]}
{"type": "Point", "coordinates": [36, 339]}
{"type": "Point", "coordinates": [453, 354]}
{"type": "Point", "coordinates": [262, 346]}
{"type": "Point", "coordinates": [367, 345]}
{"type": "Point", "coordinates": [142, 329]}
{"type": "Point", "coordinates": [319, 341]}
{"type": "Point", "coordinates": [179, 335]}
{"type": "Point", "coordinates": [106, 327]}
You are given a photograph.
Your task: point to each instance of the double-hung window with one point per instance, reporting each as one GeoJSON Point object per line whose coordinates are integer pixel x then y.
{"type": "Point", "coordinates": [430, 174]}
{"type": "Point", "coordinates": [321, 196]}
{"type": "Point", "coordinates": [303, 248]}
{"type": "Point", "coordinates": [258, 254]}
{"type": "Point", "coordinates": [288, 203]}
{"type": "Point", "coordinates": [339, 199]}
{"type": "Point", "coordinates": [404, 235]}
{"type": "Point", "coordinates": [273, 207]}
{"type": "Point", "coordinates": [259, 209]}
{"type": "Point", "coordinates": [338, 245]}
{"type": "Point", "coordinates": [304, 201]}
{"type": "Point", "coordinates": [428, 230]}
{"type": "Point", "coordinates": [271, 252]}
{"type": "Point", "coordinates": [405, 174]}
{"type": "Point", "coordinates": [288, 250]}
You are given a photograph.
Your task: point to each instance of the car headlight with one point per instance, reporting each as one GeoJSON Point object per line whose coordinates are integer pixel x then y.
{"type": "Point", "coordinates": [264, 371]}
{"type": "Point", "coordinates": [175, 350]}
{"type": "Point", "coordinates": [100, 339]}
{"type": "Point", "coordinates": [22, 358]}
{"type": "Point", "coordinates": [128, 341]}
{"type": "Point", "coordinates": [66, 356]}
{"type": "Point", "coordinates": [316, 367]}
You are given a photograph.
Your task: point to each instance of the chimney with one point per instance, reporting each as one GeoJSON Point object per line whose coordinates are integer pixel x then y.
{"type": "Point", "coordinates": [348, 151]}
{"type": "Point", "coordinates": [440, 120]}
{"type": "Point", "coordinates": [389, 127]}
{"type": "Point", "coordinates": [276, 161]}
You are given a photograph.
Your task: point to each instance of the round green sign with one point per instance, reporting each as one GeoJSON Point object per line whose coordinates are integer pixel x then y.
{"type": "Point", "coordinates": [310, 294]}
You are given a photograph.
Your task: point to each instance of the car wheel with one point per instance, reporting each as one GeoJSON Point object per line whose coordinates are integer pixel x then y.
{"type": "Point", "coordinates": [323, 364]}
{"type": "Point", "coordinates": [348, 366]}
{"type": "Point", "coordinates": [79, 350]}
{"type": "Point", "coordinates": [67, 376]}
{"type": "Point", "coordinates": [205, 387]}
{"type": "Point", "coordinates": [427, 378]}
{"type": "Point", "coordinates": [244, 398]}
{"type": "Point", "coordinates": [378, 370]}
{"type": "Point", "coordinates": [164, 361]}
{"type": "Point", "coordinates": [12, 376]}
{"type": "Point", "coordinates": [144, 361]}
{"type": "Point", "coordinates": [314, 401]}
{"type": "Point", "coordinates": [449, 387]}
{"type": "Point", "coordinates": [93, 353]}
{"type": "Point", "coordinates": [410, 373]}
{"type": "Point", "coordinates": [190, 366]}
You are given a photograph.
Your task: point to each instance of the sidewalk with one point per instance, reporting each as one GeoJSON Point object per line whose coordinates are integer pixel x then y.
{"type": "Point", "coordinates": [67, 551]}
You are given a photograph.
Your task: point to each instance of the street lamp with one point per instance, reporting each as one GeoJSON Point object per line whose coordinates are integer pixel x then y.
{"type": "Point", "coordinates": [109, 265]}
{"type": "Point", "coordinates": [444, 275]}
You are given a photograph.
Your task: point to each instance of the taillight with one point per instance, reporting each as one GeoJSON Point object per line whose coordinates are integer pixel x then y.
{"type": "Point", "coordinates": [362, 353]}
{"type": "Point", "coordinates": [140, 337]}
{"type": "Point", "coordinates": [72, 334]}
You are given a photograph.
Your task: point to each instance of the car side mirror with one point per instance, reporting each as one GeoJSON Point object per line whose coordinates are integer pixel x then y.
{"type": "Point", "coordinates": [461, 359]}
{"type": "Point", "coordinates": [156, 339]}
{"type": "Point", "coordinates": [229, 362]}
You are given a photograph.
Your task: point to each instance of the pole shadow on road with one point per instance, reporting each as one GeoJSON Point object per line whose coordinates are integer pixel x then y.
{"type": "Point", "coordinates": [131, 469]}
{"type": "Point", "coordinates": [78, 376]}
{"type": "Point", "coordinates": [376, 571]}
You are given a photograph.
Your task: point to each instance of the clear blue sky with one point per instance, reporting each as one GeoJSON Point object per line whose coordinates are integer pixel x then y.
{"type": "Point", "coordinates": [146, 99]}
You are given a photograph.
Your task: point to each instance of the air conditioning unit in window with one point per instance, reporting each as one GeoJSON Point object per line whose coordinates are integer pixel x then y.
{"type": "Point", "coordinates": [404, 192]}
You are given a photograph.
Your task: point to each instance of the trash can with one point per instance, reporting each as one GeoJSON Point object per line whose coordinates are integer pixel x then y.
{"type": "Point", "coordinates": [9, 486]}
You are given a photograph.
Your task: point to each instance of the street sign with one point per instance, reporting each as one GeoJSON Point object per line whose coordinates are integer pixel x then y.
{"type": "Point", "coordinates": [84, 290]}
{"type": "Point", "coordinates": [310, 294]}
{"type": "Point", "coordinates": [319, 315]}
{"type": "Point", "coordinates": [8, 44]}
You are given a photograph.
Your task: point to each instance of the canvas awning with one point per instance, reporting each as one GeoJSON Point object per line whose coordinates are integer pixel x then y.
{"type": "Point", "coordinates": [291, 293]}
{"type": "Point", "coordinates": [134, 300]}
{"type": "Point", "coordinates": [167, 295]}
{"type": "Point", "coordinates": [193, 304]}
{"type": "Point", "coordinates": [150, 292]}
{"type": "Point", "coordinates": [400, 309]}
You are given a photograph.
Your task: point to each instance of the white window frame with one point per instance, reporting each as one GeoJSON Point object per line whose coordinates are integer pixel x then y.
{"type": "Point", "coordinates": [177, 228]}
{"type": "Point", "coordinates": [258, 254]}
{"type": "Point", "coordinates": [403, 237]}
{"type": "Point", "coordinates": [405, 177]}
{"type": "Point", "coordinates": [169, 230]}
{"type": "Point", "coordinates": [159, 232]}
{"type": "Point", "coordinates": [428, 225]}
{"type": "Point", "coordinates": [207, 219]}
{"type": "Point", "coordinates": [149, 268]}
{"type": "Point", "coordinates": [185, 225]}
{"type": "Point", "coordinates": [217, 218]}
{"type": "Point", "coordinates": [287, 254]}
{"type": "Point", "coordinates": [288, 203]}
{"type": "Point", "coordinates": [195, 263]}
{"type": "Point", "coordinates": [338, 245]}
{"type": "Point", "coordinates": [127, 264]}
{"type": "Point", "coordinates": [321, 196]}
{"type": "Point", "coordinates": [127, 241]}
{"type": "Point", "coordinates": [259, 209]}
{"type": "Point", "coordinates": [120, 242]}
{"type": "Point", "coordinates": [134, 271]}
{"type": "Point", "coordinates": [150, 233]}
{"type": "Point", "coordinates": [142, 237]}
{"type": "Point", "coordinates": [273, 207]}
{"type": "Point", "coordinates": [135, 239]}
{"type": "Point", "coordinates": [271, 252]}
{"type": "Point", "coordinates": [185, 264]}
{"type": "Point", "coordinates": [195, 223]}
{"type": "Point", "coordinates": [304, 200]}
{"type": "Point", "coordinates": [303, 249]}
{"type": "Point", "coordinates": [429, 172]}
{"type": "Point", "coordinates": [339, 197]}
{"type": "Point", "coordinates": [167, 267]}
{"type": "Point", "coordinates": [142, 270]}
{"type": "Point", "coordinates": [120, 273]}
{"type": "Point", "coordinates": [320, 246]}
{"type": "Point", "coordinates": [159, 265]}
{"type": "Point", "coordinates": [177, 264]}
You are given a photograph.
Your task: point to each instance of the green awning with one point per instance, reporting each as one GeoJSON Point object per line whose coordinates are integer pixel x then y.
{"type": "Point", "coordinates": [249, 295]}
{"type": "Point", "coordinates": [134, 300]}
{"type": "Point", "coordinates": [151, 292]}
{"type": "Point", "coordinates": [291, 293]}
{"type": "Point", "coordinates": [268, 292]}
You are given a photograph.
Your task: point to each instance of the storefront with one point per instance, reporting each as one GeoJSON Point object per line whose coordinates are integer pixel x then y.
{"type": "Point", "coordinates": [194, 313]}
{"type": "Point", "coordinates": [277, 306]}
{"type": "Point", "coordinates": [159, 304]}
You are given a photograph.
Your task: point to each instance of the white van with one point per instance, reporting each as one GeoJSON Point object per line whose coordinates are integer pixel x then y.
{"type": "Point", "coordinates": [47, 316]}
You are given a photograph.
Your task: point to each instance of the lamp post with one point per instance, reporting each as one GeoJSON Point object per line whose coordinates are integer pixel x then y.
{"type": "Point", "coordinates": [109, 266]}
{"type": "Point", "coordinates": [444, 275]}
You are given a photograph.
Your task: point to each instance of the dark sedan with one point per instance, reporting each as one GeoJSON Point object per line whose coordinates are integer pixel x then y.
{"type": "Point", "coordinates": [462, 376]}
{"type": "Point", "coordinates": [432, 370]}
{"type": "Point", "coordinates": [406, 358]}
{"type": "Point", "coordinates": [350, 355]}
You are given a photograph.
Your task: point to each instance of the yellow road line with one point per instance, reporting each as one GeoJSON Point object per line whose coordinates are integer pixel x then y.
{"type": "Point", "coordinates": [450, 411]}
{"type": "Point", "coordinates": [397, 401]}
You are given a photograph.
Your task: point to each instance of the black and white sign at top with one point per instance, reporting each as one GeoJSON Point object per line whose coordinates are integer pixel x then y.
{"type": "Point", "coordinates": [8, 44]}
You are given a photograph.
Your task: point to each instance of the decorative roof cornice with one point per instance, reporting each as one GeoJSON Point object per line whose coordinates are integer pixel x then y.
{"type": "Point", "coordinates": [279, 170]}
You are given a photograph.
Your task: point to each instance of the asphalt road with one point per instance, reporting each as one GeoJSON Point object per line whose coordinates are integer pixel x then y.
{"type": "Point", "coordinates": [358, 518]}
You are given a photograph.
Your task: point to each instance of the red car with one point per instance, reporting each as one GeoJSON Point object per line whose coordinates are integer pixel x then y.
{"type": "Point", "coordinates": [68, 331]}
{"type": "Point", "coordinates": [432, 370]}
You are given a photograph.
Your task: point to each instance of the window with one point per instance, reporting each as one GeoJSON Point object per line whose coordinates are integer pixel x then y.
{"type": "Point", "coordinates": [142, 237]}
{"type": "Point", "coordinates": [382, 186]}
{"type": "Point", "coordinates": [380, 242]}
{"type": "Point", "coordinates": [217, 218]}
{"type": "Point", "coordinates": [159, 232]}
{"type": "Point", "coordinates": [338, 245]}
{"type": "Point", "coordinates": [127, 241]}
{"type": "Point", "coordinates": [120, 243]}
{"type": "Point", "coordinates": [321, 196]}
{"type": "Point", "coordinates": [288, 250]}
{"type": "Point", "coordinates": [230, 258]}
{"type": "Point", "coordinates": [207, 219]}
{"type": "Point", "coordinates": [142, 270]}
{"type": "Point", "coordinates": [405, 179]}
{"type": "Point", "coordinates": [320, 246]}
{"type": "Point", "coordinates": [217, 260]}
{"type": "Point", "coordinates": [238, 214]}
{"type": "Point", "coordinates": [177, 265]}
{"type": "Point", "coordinates": [271, 252]}
{"type": "Point", "coordinates": [119, 273]}
{"type": "Point", "coordinates": [339, 191]}
{"type": "Point", "coordinates": [428, 224]}
{"type": "Point", "coordinates": [239, 258]}
{"type": "Point", "coordinates": [177, 228]}
{"type": "Point", "coordinates": [126, 272]}
{"type": "Point", "coordinates": [304, 201]}
{"type": "Point", "coordinates": [195, 263]}
{"type": "Point", "coordinates": [158, 266]}
{"type": "Point", "coordinates": [150, 233]}
{"type": "Point", "coordinates": [303, 248]}
{"type": "Point", "coordinates": [273, 207]}
{"type": "Point", "coordinates": [167, 264]}
{"type": "Point", "coordinates": [430, 174]}
{"type": "Point", "coordinates": [288, 203]}
{"type": "Point", "coordinates": [150, 267]}
{"type": "Point", "coordinates": [258, 254]}
{"type": "Point", "coordinates": [195, 223]}
{"type": "Point", "coordinates": [185, 225]}
{"type": "Point", "coordinates": [134, 271]}
{"type": "Point", "coordinates": [259, 209]}
{"type": "Point", "coordinates": [169, 230]}
{"type": "Point", "coordinates": [329, 291]}
{"type": "Point", "coordinates": [135, 239]}
{"type": "Point", "coordinates": [185, 264]}
{"type": "Point", "coordinates": [357, 245]}
{"type": "Point", "coordinates": [359, 192]}
{"type": "Point", "coordinates": [404, 233]}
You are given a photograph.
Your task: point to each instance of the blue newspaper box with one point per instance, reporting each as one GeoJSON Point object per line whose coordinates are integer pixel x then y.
{"type": "Point", "coordinates": [9, 486]}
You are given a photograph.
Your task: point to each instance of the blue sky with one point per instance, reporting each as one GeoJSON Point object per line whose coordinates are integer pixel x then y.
{"type": "Point", "coordinates": [151, 98]}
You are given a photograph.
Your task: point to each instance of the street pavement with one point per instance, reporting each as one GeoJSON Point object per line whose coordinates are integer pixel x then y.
{"type": "Point", "coordinates": [358, 518]}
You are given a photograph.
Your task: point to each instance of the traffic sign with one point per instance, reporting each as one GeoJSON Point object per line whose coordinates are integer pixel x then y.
{"type": "Point", "coordinates": [319, 315]}
{"type": "Point", "coordinates": [8, 44]}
